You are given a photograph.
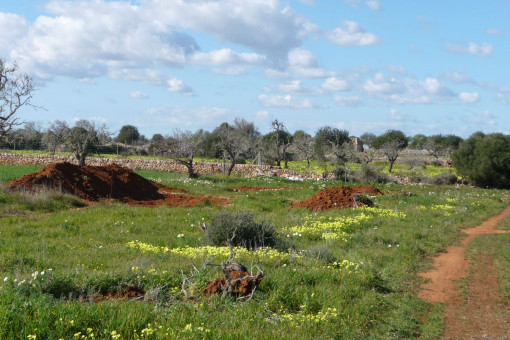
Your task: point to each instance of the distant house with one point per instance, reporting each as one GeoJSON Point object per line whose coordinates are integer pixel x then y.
{"type": "Point", "coordinates": [357, 143]}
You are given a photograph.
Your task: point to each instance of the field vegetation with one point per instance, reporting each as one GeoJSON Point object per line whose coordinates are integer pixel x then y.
{"type": "Point", "coordinates": [342, 273]}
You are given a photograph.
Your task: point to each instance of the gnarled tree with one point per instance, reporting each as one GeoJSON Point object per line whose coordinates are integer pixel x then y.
{"type": "Point", "coordinates": [182, 148]}
{"type": "Point", "coordinates": [16, 90]}
{"type": "Point", "coordinates": [391, 143]}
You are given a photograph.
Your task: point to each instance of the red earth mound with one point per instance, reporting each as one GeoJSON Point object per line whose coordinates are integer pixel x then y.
{"type": "Point", "coordinates": [243, 288]}
{"type": "Point", "coordinates": [112, 181]}
{"type": "Point", "coordinates": [336, 197]}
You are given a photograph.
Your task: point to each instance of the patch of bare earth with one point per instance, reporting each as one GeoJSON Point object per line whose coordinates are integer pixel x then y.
{"type": "Point", "coordinates": [479, 315]}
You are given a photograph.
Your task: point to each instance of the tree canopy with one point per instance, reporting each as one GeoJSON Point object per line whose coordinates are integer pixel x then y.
{"type": "Point", "coordinates": [484, 160]}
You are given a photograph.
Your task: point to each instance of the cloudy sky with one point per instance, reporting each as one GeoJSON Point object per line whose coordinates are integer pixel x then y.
{"type": "Point", "coordinates": [421, 66]}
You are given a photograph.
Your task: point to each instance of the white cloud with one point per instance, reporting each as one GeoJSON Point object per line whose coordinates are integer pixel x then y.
{"type": "Point", "coordinates": [295, 87]}
{"type": "Point", "coordinates": [89, 38]}
{"type": "Point", "coordinates": [307, 2]}
{"type": "Point", "coordinates": [457, 77]}
{"type": "Point", "coordinates": [12, 28]}
{"type": "Point", "coordinates": [301, 58]}
{"type": "Point", "coordinates": [276, 74]}
{"type": "Point", "coordinates": [349, 33]}
{"type": "Point", "coordinates": [230, 71]}
{"type": "Point", "coordinates": [373, 5]}
{"type": "Point", "coordinates": [335, 84]}
{"type": "Point", "coordinates": [504, 95]}
{"type": "Point", "coordinates": [287, 101]}
{"type": "Point", "coordinates": [314, 73]}
{"type": "Point", "coordinates": [138, 95]}
{"type": "Point", "coordinates": [264, 25]}
{"type": "Point", "coordinates": [94, 38]}
{"type": "Point", "coordinates": [469, 97]}
{"type": "Point", "coordinates": [397, 116]}
{"type": "Point", "coordinates": [482, 50]}
{"type": "Point", "coordinates": [348, 101]}
{"type": "Point", "coordinates": [407, 90]}
{"type": "Point", "coordinates": [165, 119]}
{"type": "Point", "coordinates": [494, 31]}
{"type": "Point", "coordinates": [400, 70]}
{"type": "Point", "coordinates": [177, 85]}
{"type": "Point", "coordinates": [226, 56]}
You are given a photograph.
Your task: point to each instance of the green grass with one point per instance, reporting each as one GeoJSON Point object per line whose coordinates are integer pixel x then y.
{"type": "Point", "coordinates": [88, 252]}
{"type": "Point", "coordinates": [495, 245]}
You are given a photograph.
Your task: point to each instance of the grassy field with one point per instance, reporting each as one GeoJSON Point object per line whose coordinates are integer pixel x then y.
{"type": "Point", "coordinates": [345, 274]}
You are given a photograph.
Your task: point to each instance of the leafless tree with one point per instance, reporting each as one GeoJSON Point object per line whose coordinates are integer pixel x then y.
{"type": "Point", "coordinates": [16, 90]}
{"type": "Point", "coordinates": [281, 141]}
{"type": "Point", "coordinates": [83, 138]}
{"type": "Point", "coordinates": [181, 147]}
{"type": "Point", "coordinates": [235, 140]}
{"type": "Point", "coordinates": [304, 144]}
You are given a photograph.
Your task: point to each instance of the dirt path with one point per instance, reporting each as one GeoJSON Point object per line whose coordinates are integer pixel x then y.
{"type": "Point", "coordinates": [452, 266]}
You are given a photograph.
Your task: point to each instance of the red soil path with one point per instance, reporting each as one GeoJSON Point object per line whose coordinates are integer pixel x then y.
{"type": "Point", "coordinates": [452, 266]}
{"type": "Point", "coordinates": [109, 182]}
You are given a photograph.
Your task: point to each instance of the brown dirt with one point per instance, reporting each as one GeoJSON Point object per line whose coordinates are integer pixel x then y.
{"type": "Point", "coordinates": [244, 287]}
{"type": "Point", "coordinates": [451, 266]}
{"type": "Point", "coordinates": [109, 182]}
{"type": "Point", "coordinates": [130, 292]}
{"type": "Point", "coordinates": [244, 188]}
{"type": "Point", "coordinates": [336, 197]}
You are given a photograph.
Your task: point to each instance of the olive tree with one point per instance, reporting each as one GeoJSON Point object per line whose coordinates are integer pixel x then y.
{"type": "Point", "coordinates": [333, 141]}
{"type": "Point", "coordinates": [484, 160]}
{"type": "Point", "coordinates": [391, 143]}
{"type": "Point", "coordinates": [128, 134]}
{"type": "Point", "coordinates": [82, 139]}
{"type": "Point", "coordinates": [182, 147]}
{"type": "Point", "coordinates": [16, 90]}
{"type": "Point", "coordinates": [235, 140]}
{"type": "Point", "coordinates": [303, 144]}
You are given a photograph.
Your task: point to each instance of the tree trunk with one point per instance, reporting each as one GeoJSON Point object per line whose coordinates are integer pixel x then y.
{"type": "Point", "coordinates": [231, 167]}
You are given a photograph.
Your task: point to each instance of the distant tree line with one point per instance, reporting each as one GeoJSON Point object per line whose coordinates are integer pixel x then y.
{"type": "Point", "coordinates": [233, 143]}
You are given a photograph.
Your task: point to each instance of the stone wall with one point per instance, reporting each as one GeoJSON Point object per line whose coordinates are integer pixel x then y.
{"type": "Point", "coordinates": [248, 170]}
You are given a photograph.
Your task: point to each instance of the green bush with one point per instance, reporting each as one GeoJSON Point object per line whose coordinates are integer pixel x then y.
{"type": "Point", "coordinates": [484, 160]}
{"type": "Point", "coordinates": [446, 178]}
{"type": "Point", "coordinates": [240, 229]}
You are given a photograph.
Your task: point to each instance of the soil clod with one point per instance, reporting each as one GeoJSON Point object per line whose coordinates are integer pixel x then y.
{"type": "Point", "coordinates": [339, 197]}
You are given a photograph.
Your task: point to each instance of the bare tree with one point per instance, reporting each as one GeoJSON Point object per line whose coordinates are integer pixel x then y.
{"type": "Point", "coordinates": [83, 138]}
{"type": "Point", "coordinates": [234, 140]}
{"type": "Point", "coordinates": [304, 144]}
{"type": "Point", "coordinates": [16, 91]}
{"type": "Point", "coordinates": [281, 141]}
{"type": "Point", "coordinates": [181, 147]}
{"type": "Point", "coordinates": [391, 143]}
{"type": "Point", "coordinates": [54, 135]}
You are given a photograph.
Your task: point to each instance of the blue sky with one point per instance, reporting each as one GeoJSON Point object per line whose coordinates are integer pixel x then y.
{"type": "Point", "coordinates": [420, 66]}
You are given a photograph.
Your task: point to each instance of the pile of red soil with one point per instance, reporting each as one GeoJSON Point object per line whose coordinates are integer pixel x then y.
{"type": "Point", "coordinates": [336, 197]}
{"type": "Point", "coordinates": [130, 292]}
{"type": "Point", "coordinates": [110, 182]}
{"type": "Point", "coordinates": [244, 188]}
{"type": "Point", "coordinates": [243, 288]}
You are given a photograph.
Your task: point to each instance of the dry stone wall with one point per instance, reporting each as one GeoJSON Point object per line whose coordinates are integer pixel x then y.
{"type": "Point", "coordinates": [248, 170]}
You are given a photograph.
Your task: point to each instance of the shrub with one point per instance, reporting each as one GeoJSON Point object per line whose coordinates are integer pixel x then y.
{"type": "Point", "coordinates": [443, 179]}
{"type": "Point", "coordinates": [367, 174]}
{"type": "Point", "coordinates": [484, 160]}
{"type": "Point", "coordinates": [240, 229]}
{"type": "Point", "coordinates": [321, 252]}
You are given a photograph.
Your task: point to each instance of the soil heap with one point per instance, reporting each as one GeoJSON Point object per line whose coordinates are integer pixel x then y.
{"type": "Point", "coordinates": [336, 197]}
{"type": "Point", "coordinates": [112, 181]}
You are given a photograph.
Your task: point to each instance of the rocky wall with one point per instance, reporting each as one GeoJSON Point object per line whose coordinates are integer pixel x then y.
{"type": "Point", "coordinates": [248, 170]}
